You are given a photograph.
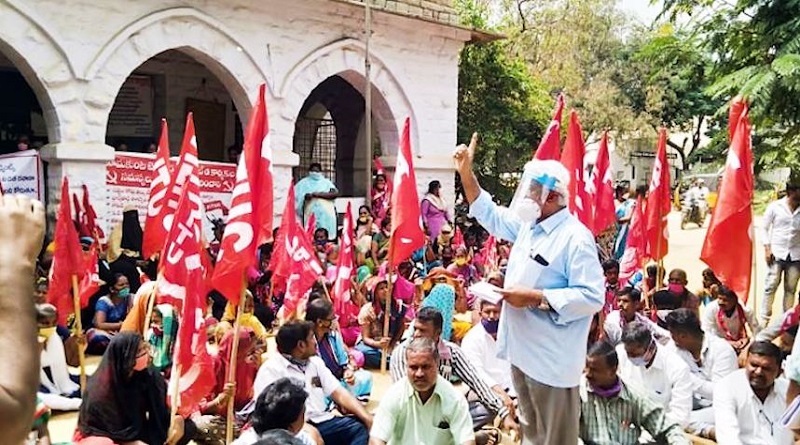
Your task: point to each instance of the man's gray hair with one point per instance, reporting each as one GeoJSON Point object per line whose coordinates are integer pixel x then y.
{"type": "Point", "coordinates": [423, 344]}
{"type": "Point", "coordinates": [637, 333]}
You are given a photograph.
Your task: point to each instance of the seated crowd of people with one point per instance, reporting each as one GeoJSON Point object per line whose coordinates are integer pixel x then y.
{"type": "Point", "coordinates": [661, 361]}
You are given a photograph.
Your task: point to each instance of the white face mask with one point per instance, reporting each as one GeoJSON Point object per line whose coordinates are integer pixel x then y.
{"type": "Point", "coordinates": [528, 210]}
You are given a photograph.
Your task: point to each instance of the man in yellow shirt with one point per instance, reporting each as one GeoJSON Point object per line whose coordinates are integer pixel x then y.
{"type": "Point", "coordinates": [424, 409]}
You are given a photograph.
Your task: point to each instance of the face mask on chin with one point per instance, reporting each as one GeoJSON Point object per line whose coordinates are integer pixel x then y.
{"type": "Point", "coordinates": [528, 210]}
{"type": "Point", "coordinates": [676, 288]}
{"type": "Point", "coordinates": [490, 326]}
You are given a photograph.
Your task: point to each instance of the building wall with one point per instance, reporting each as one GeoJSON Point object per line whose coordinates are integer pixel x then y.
{"type": "Point", "coordinates": [77, 53]}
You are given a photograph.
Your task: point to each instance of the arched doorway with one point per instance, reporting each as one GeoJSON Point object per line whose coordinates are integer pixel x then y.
{"type": "Point", "coordinates": [21, 115]}
{"type": "Point", "coordinates": [330, 130]}
{"type": "Point", "coordinates": [171, 84]}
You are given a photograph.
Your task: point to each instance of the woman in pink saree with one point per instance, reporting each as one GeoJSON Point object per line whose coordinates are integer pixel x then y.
{"type": "Point", "coordinates": [434, 209]}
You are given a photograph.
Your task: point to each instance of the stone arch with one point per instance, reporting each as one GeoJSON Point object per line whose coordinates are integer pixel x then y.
{"type": "Point", "coordinates": [36, 53]}
{"type": "Point", "coordinates": [185, 29]}
{"type": "Point", "coordinates": [345, 58]}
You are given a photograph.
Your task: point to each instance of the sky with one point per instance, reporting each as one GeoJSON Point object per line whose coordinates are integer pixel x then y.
{"type": "Point", "coordinates": [642, 9]}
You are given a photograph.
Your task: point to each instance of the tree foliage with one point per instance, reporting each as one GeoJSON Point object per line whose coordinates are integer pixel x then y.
{"type": "Point", "coordinates": [501, 100]}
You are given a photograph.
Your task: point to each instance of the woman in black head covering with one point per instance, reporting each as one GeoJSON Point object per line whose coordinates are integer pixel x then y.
{"type": "Point", "coordinates": [125, 247]}
{"type": "Point", "coordinates": [125, 399]}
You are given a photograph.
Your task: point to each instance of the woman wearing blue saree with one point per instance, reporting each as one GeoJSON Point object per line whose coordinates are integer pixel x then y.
{"type": "Point", "coordinates": [314, 194]}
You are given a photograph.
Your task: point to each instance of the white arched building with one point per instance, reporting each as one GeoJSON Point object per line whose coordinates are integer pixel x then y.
{"type": "Point", "coordinates": [76, 57]}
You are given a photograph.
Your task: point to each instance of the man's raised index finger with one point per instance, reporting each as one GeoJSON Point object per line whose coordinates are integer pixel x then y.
{"type": "Point", "coordinates": [473, 143]}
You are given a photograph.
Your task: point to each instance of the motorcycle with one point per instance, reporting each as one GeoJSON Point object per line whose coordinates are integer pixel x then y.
{"type": "Point", "coordinates": [692, 212]}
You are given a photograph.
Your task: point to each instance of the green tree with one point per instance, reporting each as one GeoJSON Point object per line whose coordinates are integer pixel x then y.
{"type": "Point", "coordinates": [501, 100]}
{"type": "Point", "coordinates": [756, 52]}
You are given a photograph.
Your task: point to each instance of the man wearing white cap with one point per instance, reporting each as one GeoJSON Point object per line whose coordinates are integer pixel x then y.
{"type": "Point", "coordinates": [554, 285]}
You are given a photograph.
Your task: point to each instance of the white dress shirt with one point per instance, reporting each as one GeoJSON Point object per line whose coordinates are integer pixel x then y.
{"type": "Point", "coordinates": [780, 229]}
{"type": "Point", "coordinates": [718, 359]}
{"type": "Point", "coordinates": [317, 380]}
{"type": "Point", "coordinates": [742, 419]}
{"type": "Point", "coordinates": [666, 381]}
{"type": "Point", "coordinates": [732, 323]}
{"type": "Point", "coordinates": [481, 350]}
{"type": "Point", "coordinates": [614, 326]}
{"type": "Point", "coordinates": [559, 256]}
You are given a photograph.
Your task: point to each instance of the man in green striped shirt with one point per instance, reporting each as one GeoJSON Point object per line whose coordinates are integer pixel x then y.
{"type": "Point", "coordinates": [613, 413]}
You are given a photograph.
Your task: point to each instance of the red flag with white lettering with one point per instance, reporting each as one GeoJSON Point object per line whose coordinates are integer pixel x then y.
{"type": "Point", "coordinates": [659, 203]}
{"type": "Point", "coordinates": [300, 261]}
{"type": "Point", "coordinates": [407, 234]}
{"type": "Point", "coordinates": [154, 231]}
{"type": "Point", "coordinates": [182, 285]}
{"type": "Point", "coordinates": [250, 217]}
{"type": "Point", "coordinates": [311, 226]}
{"type": "Point", "coordinates": [67, 258]}
{"type": "Point", "coordinates": [489, 254]}
{"type": "Point", "coordinates": [580, 203]}
{"type": "Point", "coordinates": [635, 244]}
{"type": "Point", "coordinates": [601, 190]}
{"type": "Point", "coordinates": [550, 146]}
{"type": "Point", "coordinates": [89, 219]}
{"type": "Point", "coordinates": [728, 246]}
{"type": "Point", "coordinates": [280, 261]}
{"type": "Point", "coordinates": [344, 270]}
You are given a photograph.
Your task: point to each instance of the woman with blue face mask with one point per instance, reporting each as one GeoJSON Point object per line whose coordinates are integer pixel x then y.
{"type": "Point", "coordinates": [110, 312]}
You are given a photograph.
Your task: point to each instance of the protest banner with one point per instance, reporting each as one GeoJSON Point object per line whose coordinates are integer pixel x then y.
{"type": "Point", "coordinates": [21, 173]}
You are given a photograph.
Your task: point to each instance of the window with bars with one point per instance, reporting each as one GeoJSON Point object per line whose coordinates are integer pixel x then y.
{"type": "Point", "coordinates": [315, 141]}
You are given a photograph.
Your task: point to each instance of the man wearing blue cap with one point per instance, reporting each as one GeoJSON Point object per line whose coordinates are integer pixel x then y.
{"type": "Point", "coordinates": [554, 285]}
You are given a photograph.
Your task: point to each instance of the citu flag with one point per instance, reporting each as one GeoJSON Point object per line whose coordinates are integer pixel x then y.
{"type": "Point", "coordinates": [635, 244]}
{"type": "Point", "coordinates": [728, 246]}
{"type": "Point", "coordinates": [154, 231]}
{"type": "Point", "coordinates": [182, 267]}
{"type": "Point", "coordinates": [342, 302]}
{"type": "Point", "coordinates": [90, 283]}
{"type": "Point", "coordinates": [407, 234]}
{"type": "Point", "coordinates": [580, 203]}
{"type": "Point", "coordinates": [550, 145]}
{"type": "Point", "coordinates": [68, 258]}
{"type": "Point", "coordinates": [601, 190]}
{"type": "Point", "coordinates": [300, 263]}
{"type": "Point", "coordinates": [279, 262]}
{"type": "Point", "coordinates": [249, 222]}
{"type": "Point", "coordinates": [659, 203]}
{"type": "Point", "coordinates": [489, 254]}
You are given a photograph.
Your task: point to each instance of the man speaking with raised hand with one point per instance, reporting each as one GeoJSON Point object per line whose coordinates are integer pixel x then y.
{"type": "Point", "coordinates": [554, 285]}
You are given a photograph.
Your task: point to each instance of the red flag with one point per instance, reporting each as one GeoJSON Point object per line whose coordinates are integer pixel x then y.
{"type": "Point", "coordinates": [280, 261]}
{"type": "Point", "coordinates": [635, 244]}
{"type": "Point", "coordinates": [738, 107]}
{"type": "Point", "coordinates": [78, 217]}
{"type": "Point", "coordinates": [378, 166]}
{"type": "Point", "coordinates": [299, 259]}
{"type": "Point", "coordinates": [250, 217]}
{"type": "Point", "coordinates": [659, 203]}
{"type": "Point", "coordinates": [344, 270]}
{"type": "Point", "coordinates": [550, 146]}
{"type": "Point", "coordinates": [601, 190]}
{"type": "Point", "coordinates": [407, 234]}
{"type": "Point", "coordinates": [311, 226]}
{"type": "Point", "coordinates": [155, 233]}
{"type": "Point", "coordinates": [90, 217]}
{"type": "Point", "coordinates": [580, 203]}
{"type": "Point", "coordinates": [728, 247]}
{"type": "Point", "coordinates": [182, 285]}
{"type": "Point", "coordinates": [489, 254]}
{"type": "Point", "coordinates": [90, 283]}
{"type": "Point", "coordinates": [67, 258]}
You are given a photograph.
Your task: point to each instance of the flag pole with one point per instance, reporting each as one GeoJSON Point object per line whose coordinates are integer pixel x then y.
{"type": "Point", "coordinates": [151, 303]}
{"type": "Point", "coordinates": [387, 313]}
{"type": "Point", "coordinates": [76, 301]}
{"type": "Point", "coordinates": [368, 97]}
{"type": "Point", "coordinates": [232, 367]}
{"type": "Point", "coordinates": [754, 260]}
{"type": "Point", "coordinates": [321, 281]}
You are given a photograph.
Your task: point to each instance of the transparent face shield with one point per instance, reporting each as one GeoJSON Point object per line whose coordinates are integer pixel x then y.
{"type": "Point", "coordinates": [532, 192]}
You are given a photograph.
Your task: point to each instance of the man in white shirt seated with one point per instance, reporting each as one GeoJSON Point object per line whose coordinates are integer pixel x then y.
{"type": "Point", "coordinates": [656, 370]}
{"type": "Point", "coordinates": [298, 348]}
{"type": "Point", "coordinates": [629, 300]}
{"type": "Point", "coordinates": [480, 348]}
{"type": "Point", "coordinates": [748, 403]}
{"type": "Point", "coordinates": [423, 407]}
{"type": "Point", "coordinates": [709, 359]}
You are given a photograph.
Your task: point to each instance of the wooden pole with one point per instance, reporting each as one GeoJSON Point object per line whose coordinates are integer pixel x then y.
{"type": "Point", "coordinates": [324, 285]}
{"type": "Point", "coordinates": [368, 98]}
{"type": "Point", "coordinates": [754, 278]}
{"type": "Point", "coordinates": [232, 367]}
{"type": "Point", "coordinates": [387, 313]}
{"type": "Point", "coordinates": [76, 301]}
{"type": "Point", "coordinates": [151, 303]}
